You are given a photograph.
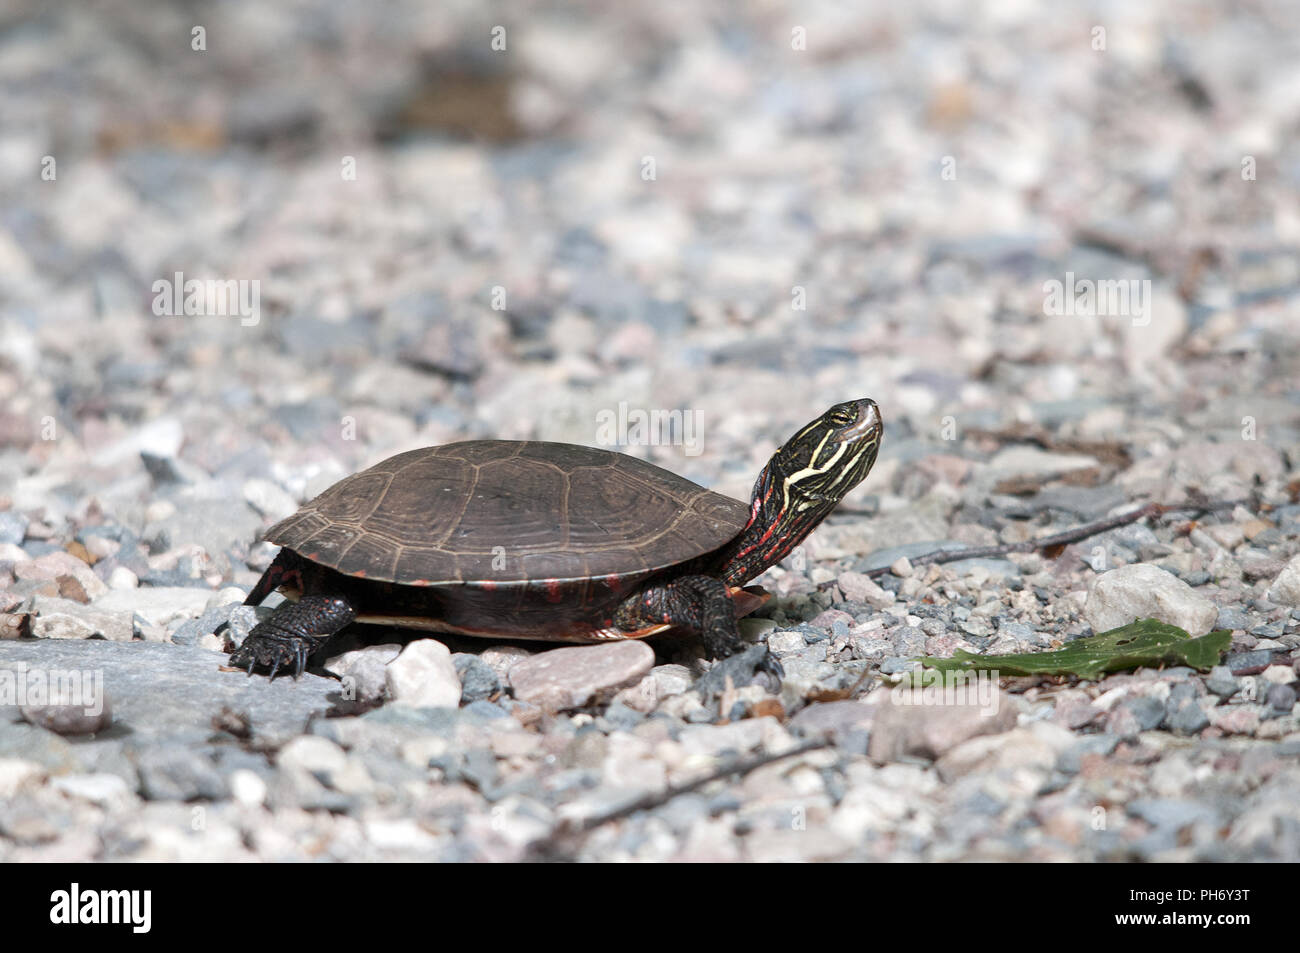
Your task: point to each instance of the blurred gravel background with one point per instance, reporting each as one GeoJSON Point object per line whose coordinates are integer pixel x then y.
{"type": "Point", "coordinates": [744, 211]}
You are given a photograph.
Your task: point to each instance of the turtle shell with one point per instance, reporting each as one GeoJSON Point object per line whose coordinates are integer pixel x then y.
{"type": "Point", "coordinates": [504, 511]}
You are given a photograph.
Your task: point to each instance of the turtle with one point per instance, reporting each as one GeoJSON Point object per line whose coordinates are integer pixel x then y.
{"type": "Point", "coordinates": [525, 539]}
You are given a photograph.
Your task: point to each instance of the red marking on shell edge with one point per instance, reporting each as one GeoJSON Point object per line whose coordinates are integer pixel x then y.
{"type": "Point", "coordinates": [552, 590]}
{"type": "Point", "coordinates": [612, 581]}
{"type": "Point", "coordinates": [489, 585]}
{"type": "Point", "coordinates": [360, 574]}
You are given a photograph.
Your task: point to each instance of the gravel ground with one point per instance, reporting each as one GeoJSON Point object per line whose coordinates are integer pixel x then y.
{"type": "Point", "coordinates": [746, 215]}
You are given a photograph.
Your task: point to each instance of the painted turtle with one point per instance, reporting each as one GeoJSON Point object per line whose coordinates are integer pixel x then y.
{"type": "Point", "coordinates": [530, 540]}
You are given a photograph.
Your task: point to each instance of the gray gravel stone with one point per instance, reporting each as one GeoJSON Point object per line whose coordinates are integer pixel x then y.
{"type": "Point", "coordinates": [478, 679]}
{"type": "Point", "coordinates": [13, 527]}
{"type": "Point", "coordinates": [178, 773]}
{"type": "Point", "coordinates": [1071, 760]}
{"type": "Point", "coordinates": [1148, 711]}
{"type": "Point", "coordinates": [190, 631]}
{"type": "Point", "coordinates": [1221, 682]}
{"type": "Point", "coordinates": [908, 641]}
{"type": "Point", "coordinates": [1248, 663]}
{"type": "Point", "coordinates": [241, 621]}
{"type": "Point", "coordinates": [1187, 717]}
{"type": "Point", "coordinates": [1232, 617]}
{"type": "Point", "coordinates": [1282, 697]}
{"type": "Point", "coordinates": [1170, 812]}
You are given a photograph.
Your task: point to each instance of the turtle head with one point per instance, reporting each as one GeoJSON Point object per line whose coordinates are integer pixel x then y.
{"type": "Point", "coordinates": [830, 456]}
{"type": "Point", "coordinates": [802, 483]}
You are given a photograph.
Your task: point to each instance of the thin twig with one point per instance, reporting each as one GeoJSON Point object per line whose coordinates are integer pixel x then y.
{"type": "Point", "coordinates": [648, 802]}
{"type": "Point", "coordinates": [1065, 537]}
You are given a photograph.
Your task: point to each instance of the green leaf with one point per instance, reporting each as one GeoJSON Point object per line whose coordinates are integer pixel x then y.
{"type": "Point", "coordinates": [1144, 642]}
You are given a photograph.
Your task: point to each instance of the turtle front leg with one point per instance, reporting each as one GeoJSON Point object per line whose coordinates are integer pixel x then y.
{"type": "Point", "coordinates": [701, 603]}
{"type": "Point", "coordinates": [292, 632]}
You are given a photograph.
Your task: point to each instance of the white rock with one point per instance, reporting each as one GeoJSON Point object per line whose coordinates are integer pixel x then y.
{"type": "Point", "coordinates": [122, 579]}
{"type": "Point", "coordinates": [402, 834]}
{"type": "Point", "coordinates": [16, 773]}
{"type": "Point", "coordinates": [1279, 675]}
{"type": "Point", "coordinates": [1144, 591]}
{"type": "Point", "coordinates": [247, 788]}
{"type": "Point", "coordinates": [784, 643]}
{"type": "Point", "coordinates": [223, 597]}
{"type": "Point", "coordinates": [161, 437]}
{"type": "Point", "coordinates": [313, 754]}
{"type": "Point", "coordinates": [1286, 587]}
{"type": "Point", "coordinates": [364, 671]}
{"type": "Point", "coordinates": [671, 679]}
{"type": "Point", "coordinates": [103, 789]}
{"type": "Point", "coordinates": [1031, 461]}
{"type": "Point", "coordinates": [860, 587]}
{"type": "Point", "coordinates": [1035, 747]}
{"type": "Point", "coordinates": [423, 676]}
{"type": "Point", "coordinates": [642, 697]}
{"type": "Point", "coordinates": [502, 658]}
{"type": "Point", "coordinates": [1148, 336]}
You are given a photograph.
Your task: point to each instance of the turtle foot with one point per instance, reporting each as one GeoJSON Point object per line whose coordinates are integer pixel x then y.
{"type": "Point", "coordinates": [274, 651]}
{"type": "Point", "coordinates": [754, 665]}
{"type": "Point", "coordinates": [294, 631]}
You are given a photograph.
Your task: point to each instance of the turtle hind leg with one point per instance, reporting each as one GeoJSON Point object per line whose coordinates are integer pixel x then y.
{"type": "Point", "coordinates": [293, 632]}
{"type": "Point", "coordinates": [704, 604]}
{"type": "Point", "coordinates": [285, 569]}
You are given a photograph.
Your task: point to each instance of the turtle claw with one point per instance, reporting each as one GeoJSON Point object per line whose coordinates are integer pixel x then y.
{"type": "Point", "coordinates": [292, 633]}
{"type": "Point", "coordinates": [275, 652]}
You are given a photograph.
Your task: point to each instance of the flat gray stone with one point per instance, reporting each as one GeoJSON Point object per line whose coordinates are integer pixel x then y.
{"type": "Point", "coordinates": [178, 773]}
{"type": "Point", "coordinates": [574, 677]}
{"type": "Point", "coordinates": [157, 605]}
{"type": "Point", "coordinates": [55, 618]}
{"type": "Point", "coordinates": [162, 690]}
{"type": "Point", "coordinates": [927, 723]}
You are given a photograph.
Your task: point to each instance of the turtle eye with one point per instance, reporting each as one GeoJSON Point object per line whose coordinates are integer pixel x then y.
{"type": "Point", "coordinates": [841, 417]}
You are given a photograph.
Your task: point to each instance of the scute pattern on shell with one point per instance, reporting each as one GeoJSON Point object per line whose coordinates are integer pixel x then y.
{"type": "Point", "coordinates": [504, 511]}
